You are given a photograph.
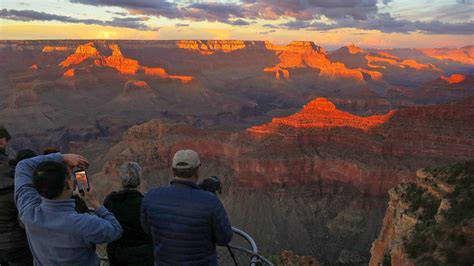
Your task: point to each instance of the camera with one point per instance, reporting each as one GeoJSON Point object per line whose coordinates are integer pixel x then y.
{"type": "Point", "coordinates": [211, 184]}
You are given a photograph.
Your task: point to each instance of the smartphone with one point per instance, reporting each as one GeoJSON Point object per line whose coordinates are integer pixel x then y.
{"type": "Point", "coordinates": [82, 180]}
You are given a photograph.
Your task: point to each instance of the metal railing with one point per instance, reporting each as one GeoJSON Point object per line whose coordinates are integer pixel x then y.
{"type": "Point", "coordinates": [245, 249]}
{"type": "Point", "coordinates": [242, 250]}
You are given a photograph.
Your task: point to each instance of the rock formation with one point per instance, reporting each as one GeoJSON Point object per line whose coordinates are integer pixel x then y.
{"type": "Point", "coordinates": [123, 65]}
{"type": "Point", "coordinates": [211, 46]}
{"type": "Point", "coordinates": [308, 55]}
{"type": "Point", "coordinates": [321, 113]}
{"type": "Point", "coordinates": [69, 73]}
{"type": "Point", "coordinates": [355, 57]}
{"type": "Point", "coordinates": [49, 49]}
{"type": "Point", "coordinates": [464, 55]}
{"type": "Point", "coordinates": [429, 221]}
{"type": "Point", "coordinates": [133, 84]}
{"type": "Point", "coordinates": [118, 61]}
{"type": "Point", "coordinates": [82, 53]}
{"type": "Point", "coordinates": [454, 78]}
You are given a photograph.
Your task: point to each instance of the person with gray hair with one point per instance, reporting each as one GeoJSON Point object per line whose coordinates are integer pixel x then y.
{"type": "Point", "coordinates": [135, 247]}
{"type": "Point", "coordinates": [130, 173]}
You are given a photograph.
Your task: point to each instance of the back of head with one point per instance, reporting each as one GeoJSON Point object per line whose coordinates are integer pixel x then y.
{"type": "Point", "coordinates": [24, 154]}
{"type": "Point", "coordinates": [186, 164]}
{"type": "Point", "coordinates": [130, 173]}
{"type": "Point", "coordinates": [4, 133]}
{"type": "Point", "coordinates": [49, 179]}
{"type": "Point", "coordinates": [49, 150]}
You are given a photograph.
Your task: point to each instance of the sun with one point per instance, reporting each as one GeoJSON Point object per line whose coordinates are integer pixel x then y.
{"type": "Point", "coordinates": [106, 35]}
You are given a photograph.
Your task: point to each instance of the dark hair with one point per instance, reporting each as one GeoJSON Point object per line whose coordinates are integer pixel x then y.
{"type": "Point", "coordinates": [22, 155]}
{"type": "Point", "coordinates": [49, 178]}
{"type": "Point", "coordinates": [185, 173]}
{"type": "Point", "coordinates": [4, 133]}
{"type": "Point", "coordinates": [49, 150]}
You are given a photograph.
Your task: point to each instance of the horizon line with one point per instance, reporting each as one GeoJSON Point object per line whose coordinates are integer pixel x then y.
{"type": "Point", "coordinates": [243, 40]}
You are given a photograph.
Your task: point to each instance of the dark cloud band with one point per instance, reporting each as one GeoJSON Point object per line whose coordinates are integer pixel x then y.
{"type": "Point", "coordinates": [31, 15]}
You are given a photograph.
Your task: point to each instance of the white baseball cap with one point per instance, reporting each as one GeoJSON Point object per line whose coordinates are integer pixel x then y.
{"type": "Point", "coordinates": [186, 159]}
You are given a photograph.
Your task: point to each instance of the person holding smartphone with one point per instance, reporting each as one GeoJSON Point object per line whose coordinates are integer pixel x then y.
{"type": "Point", "coordinates": [57, 234]}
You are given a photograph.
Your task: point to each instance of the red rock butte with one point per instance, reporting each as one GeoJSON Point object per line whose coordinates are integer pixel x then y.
{"type": "Point", "coordinates": [123, 65]}
{"type": "Point", "coordinates": [463, 55]}
{"type": "Point", "coordinates": [69, 73]}
{"type": "Point", "coordinates": [454, 78]}
{"type": "Point", "coordinates": [321, 113]}
{"type": "Point", "coordinates": [302, 54]}
{"type": "Point", "coordinates": [49, 49]}
{"type": "Point", "coordinates": [211, 46]}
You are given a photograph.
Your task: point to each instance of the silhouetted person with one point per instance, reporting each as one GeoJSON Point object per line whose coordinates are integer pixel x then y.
{"type": "Point", "coordinates": [57, 234]}
{"type": "Point", "coordinates": [14, 248]}
{"type": "Point", "coordinates": [4, 139]}
{"type": "Point", "coordinates": [184, 221]}
{"type": "Point", "coordinates": [134, 247]}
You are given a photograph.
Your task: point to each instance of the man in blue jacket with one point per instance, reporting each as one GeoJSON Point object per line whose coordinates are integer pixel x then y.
{"type": "Point", "coordinates": [56, 233]}
{"type": "Point", "coordinates": [185, 222]}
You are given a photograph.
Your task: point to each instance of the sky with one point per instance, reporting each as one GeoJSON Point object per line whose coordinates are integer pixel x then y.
{"type": "Point", "coordinates": [329, 23]}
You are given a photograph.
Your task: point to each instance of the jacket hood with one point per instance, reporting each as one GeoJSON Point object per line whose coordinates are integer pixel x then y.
{"type": "Point", "coordinates": [123, 195]}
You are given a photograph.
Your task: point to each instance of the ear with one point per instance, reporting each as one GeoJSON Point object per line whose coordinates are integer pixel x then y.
{"type": "Point", "coordinates": [68, 185]}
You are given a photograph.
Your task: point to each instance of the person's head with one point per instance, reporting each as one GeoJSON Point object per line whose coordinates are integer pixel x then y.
{"type": "Point", "coordinates": [186, 164]}
{"type": "Point", "coordinates": [130, 174]}
{"type": "Point", "coordinates": [49, 150]}
{"type": "Point", "coordinates": [22, 155]}
{"type": "Point", "coordinates": [4, 137]}
{"type": "Point", "coordinates": [52, 180]}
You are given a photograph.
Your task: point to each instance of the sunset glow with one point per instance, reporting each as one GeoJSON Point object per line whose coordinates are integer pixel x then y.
{"type": "Point", "coordinates": [396, 23]}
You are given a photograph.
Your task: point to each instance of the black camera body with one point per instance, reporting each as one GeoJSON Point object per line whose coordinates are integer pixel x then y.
{"type": "Point", "coordinates": [212, 184]}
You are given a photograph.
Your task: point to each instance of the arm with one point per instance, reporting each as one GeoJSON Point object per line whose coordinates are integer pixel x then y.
{"type": "Point", "coordinates": [144, 218]}
{"type": "Point", "coordinates": [220, 225]}
{"type": "Point", "coordinates": [102, 227]}
{"type": "Point", "coordinates": [25, 194]}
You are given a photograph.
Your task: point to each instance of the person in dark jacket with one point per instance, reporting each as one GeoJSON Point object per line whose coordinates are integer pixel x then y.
{"type": "Point", "coordinates": [4, 139]}
{"type": "Point", "coordinates": [14, 248]}
{"type": "Point", "coordinates": [185, 222]}
{"type": "Point", "coordinates": [134, 247]}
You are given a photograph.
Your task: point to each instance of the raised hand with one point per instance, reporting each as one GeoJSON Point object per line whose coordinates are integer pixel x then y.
{"type": "Point", "coordinates": [74, 160]}
{"type": "Point", "coordinates": [91, 197]}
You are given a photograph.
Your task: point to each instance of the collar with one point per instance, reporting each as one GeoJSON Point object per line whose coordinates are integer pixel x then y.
{"type": "Point", "coordinates": [184, 183]}
{"type": "Point", "coordinates": [59, 205]}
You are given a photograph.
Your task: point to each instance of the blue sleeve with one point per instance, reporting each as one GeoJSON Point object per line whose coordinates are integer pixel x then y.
{"type": "Point", "coordinates": [221, 227]}
{"type": "Point", "coordinates": [102, 227]}
{"type": "Point", "coordinates": [144, 217]}
{"type": "Point", "coordinates": [26, 195]}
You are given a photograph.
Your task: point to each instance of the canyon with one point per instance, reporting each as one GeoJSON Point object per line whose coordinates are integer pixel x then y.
{"type": "Point", "coordinates": [332, 175]}
{"type": "Point", "coordinates": [308, 142]}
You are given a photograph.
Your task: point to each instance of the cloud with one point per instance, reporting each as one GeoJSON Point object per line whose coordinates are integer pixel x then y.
{"type": "Point", "coordinates": [239, 22]}
{"type": "Point", "coordinates": [178, 25]}
{"type": "Point", "coordinates": [31, 15]}
{"type": "Point", "coordinates": [123, 14]}
{"type": "Point", "coordinates": [250, 9]}
{"type": "Point", "coordinates": [300, 14]}
{"type": "Point", "coordinates": [384, 22]}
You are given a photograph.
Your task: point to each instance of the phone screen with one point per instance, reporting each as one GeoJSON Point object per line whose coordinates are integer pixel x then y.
{"type": "Point", "coordinates": [82, 181]}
